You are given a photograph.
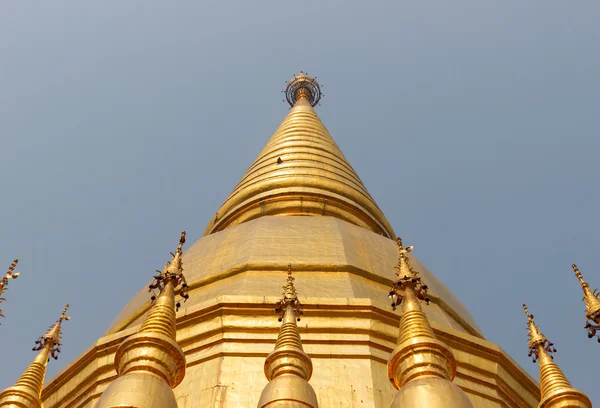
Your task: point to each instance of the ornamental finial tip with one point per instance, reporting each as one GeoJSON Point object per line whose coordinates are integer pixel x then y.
{"type": "Point", "coordinates": [579, 275]}
{"type": "Point", "coordinates": [53, 335]}
{"type": "Point", "coordinates": [592, 305]}
{"type": "Point", "coordinates": [172, 272]}
{"type": "Point", "coordinates": [10, 274]}
{"type": "Point", "coordinates": [289, 297]}
{"type": "Point", "coordinates": [406, 276]}
{"type": "Point", "coordinates": [303, 86]}
{"type": "Point", "coordinates": [538, 343]}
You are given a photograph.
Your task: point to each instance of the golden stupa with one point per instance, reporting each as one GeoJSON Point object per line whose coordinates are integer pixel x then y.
{"type": "Point", "coordinates": [300, 203]}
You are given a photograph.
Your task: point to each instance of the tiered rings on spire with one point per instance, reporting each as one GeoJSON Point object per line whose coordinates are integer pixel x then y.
{"type": "Point", "coordinates": [151, 363]}
{"type": "Point", "coordinates": [10, 274]}
{"type": "Point", "coordinates": [592, 305]}
{"type": "Point", "coordinates": [556, 391]}
{"type": "Point", "coordinates": [288, 368]}
{"type": "Point", "coordinates": [301, 171]}
{"type": "Point", "coordinates": [27, 390]}
{"type": "Point", "coordinates": [421, 367]}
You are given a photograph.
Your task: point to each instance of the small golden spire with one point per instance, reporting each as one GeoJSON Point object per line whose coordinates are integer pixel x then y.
{"type": "Point", "coordinates": [154, 348]}
{"type": "Point", "coordinates": [592, 305]}
{"type": "Point", "coordinates": [419, 358]}
{"type": "Point", "coordinates": [10, 274]}
{"type": "Point", "coordinates": [556, 390]}
{"type": "Point", "coordinates": [27, 390]}
{"type": "Point", "coordinates": [288, 368]}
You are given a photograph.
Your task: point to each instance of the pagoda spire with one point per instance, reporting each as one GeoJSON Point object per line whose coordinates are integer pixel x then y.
{"type": "Point", "coordinates": [556, 390]}
{"type": "Point", "coordinates": [421, 367]}
{"type": "Point", "coordinates": [10, 274]}
{"type": "Point", "coordinates": [150, 363]}
{"type": "Point", "coordinates": [301, 171]}
{"type": "Point", "coordinates": [288, 368]}
{"type": "Point", "coordinates": [27, 390]}
{"type": "Point", "coordinates": [592, 305]}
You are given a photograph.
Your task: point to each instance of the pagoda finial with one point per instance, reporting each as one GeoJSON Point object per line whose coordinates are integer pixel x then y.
{"type": "Point", "coordinates": [53, 335]}
{"type": "Point", "coordinates": [419, 358]}
{"type": "Point", "coordinates": [556, 391]}
{"type": "Point", "coordinates": [10, 274]}
{"type": "Point", "coordinates": [592, 305]}
{"type": "Point", "coordinates": [288, 368]}
{"type": "Point", "coordinates": [406, 275]}
{"type": "Point", "coordinates": [27, 390]}
{"type": "Point", "coordinates": [172, 272]}
{"type": "Point", "coordinates": [289, 297]}
{"type": "Point", "coordinates": [537, 339]}
{"type": "Point", "coordinates": [302, 86]}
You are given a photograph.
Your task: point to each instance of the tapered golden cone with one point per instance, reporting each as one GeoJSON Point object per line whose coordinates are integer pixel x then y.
{"type": "Point", "coordinates": [556, 391]}
{"type": "Point", "coordinates": [421, 367]}
{"type": "Point", "coordinates": [27, 390]}
{"type": "Point", "coordinates": [151, 363]}
{"type": "Point", "coordinates": [301, 171]}
{"type": "Point", "coordinates": [288, 368]}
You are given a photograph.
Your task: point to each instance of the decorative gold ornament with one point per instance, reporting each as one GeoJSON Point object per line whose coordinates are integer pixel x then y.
{"type": "Point", "coordinates": [303, 86]}
{"type": "Point", "coordinates": [288, 368]}
{"type": "Point", "coordinates": [27, 390]}
{"type": "Point", "coordinates": [406, 275]}
{"type": "Point", "coordinates": [592, 305]}
{"type": "Point", "coordinates": [151, 363]}
{"type": "Point", "coordinates": [556, 390]}
{"type": "Point", "coordinates": [10, 274]}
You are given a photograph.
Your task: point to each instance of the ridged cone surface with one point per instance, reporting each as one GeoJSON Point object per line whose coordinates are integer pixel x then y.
{"type": "Point", "coordinates": [413, 322]}
{"type": "Point", "coordinates": [161, 317]}
{"type": "Point", "coordinates": [288, 369]}
{"type": "Point", "coordinates": [33, 377]}
{"type": "Point", "coordinates": [301, 163]}
{"type": "Point", "coordinates": [551, 376]}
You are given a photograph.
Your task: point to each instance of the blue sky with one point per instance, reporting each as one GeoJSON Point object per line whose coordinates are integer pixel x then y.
{"type": "Point", "coordinates": [473, 124]}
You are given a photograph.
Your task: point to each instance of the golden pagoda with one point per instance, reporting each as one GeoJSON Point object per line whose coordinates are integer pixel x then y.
{"type": "Point", "coordinates": [300, 202]}
{"type": "Point", "coordinates": [10, 274]}
{"type": "Point", "coordinates": [27, 390]}
{"type": "Point", "coordinates": [556, 390]}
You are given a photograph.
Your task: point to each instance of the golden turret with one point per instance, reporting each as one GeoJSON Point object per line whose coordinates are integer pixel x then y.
{"type": "Point", "coordinates": [10, 274]}
{"type": "Point", "coordinates": [421, 367]}
{"type": "Point", "coordinates": [151, 363]}
{"type": "Point", "coordinates": [301, 171]}
{"type": "Point", "coordinates": [288, 368]}
{"type": "Point", "coordinates": [592, 305]}
{"type": "Point", "coordinates": [27, 390]}
{"type": "Point", "coordinates": [555, 389]}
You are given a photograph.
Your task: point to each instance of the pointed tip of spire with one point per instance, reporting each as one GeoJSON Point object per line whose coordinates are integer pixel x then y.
{"type": "Point", "coordinates": [53, 335]}
{"type": "Point", "coordinates": [10, 274]}
{"type": "Point", "coordinates": [302, 86]}
{"type": "Point", "coordinates": [579, 275]}
{"type": "Point", "coordinates": [538, 343]}
{"type": "Point", "coordinates": [289, 297]}
{"type": "Point", "coordinates": [172, 273]}
{"type": "Point", "coordinates": [406, 276]}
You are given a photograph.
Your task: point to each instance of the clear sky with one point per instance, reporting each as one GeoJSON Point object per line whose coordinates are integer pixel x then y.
{"type": "Point", "coordinates": [474, 125]}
